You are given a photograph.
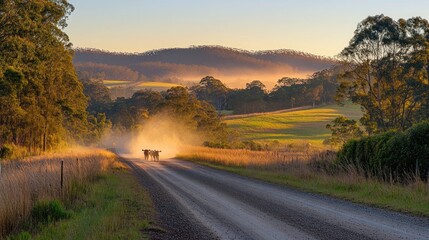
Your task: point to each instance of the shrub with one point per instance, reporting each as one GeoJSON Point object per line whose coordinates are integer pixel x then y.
{"type": "Point", "coordinates": [5, 152]}
{"type": "Point", "coordinates": [376, 144]}
{"type": "Point", "coordinates": [346, 156]}
{"type": "Point", "coordinates": [418, 137]}
{"type": "Point", "coordinates": [49, 211]}
{"type": "Point", "coordinates": [343, 129]}
{"type": "Point", "coordinates": [402, 155]}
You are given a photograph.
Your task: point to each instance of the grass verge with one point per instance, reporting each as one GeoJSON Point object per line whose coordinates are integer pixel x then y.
{"type": "Point", "coordinates": [113, 207]}
{"type": "Point", "coordinates": [412, 198]}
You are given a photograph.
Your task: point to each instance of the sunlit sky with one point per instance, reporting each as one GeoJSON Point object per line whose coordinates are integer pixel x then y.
{"type": "Point", "coordinates": [322, 27]}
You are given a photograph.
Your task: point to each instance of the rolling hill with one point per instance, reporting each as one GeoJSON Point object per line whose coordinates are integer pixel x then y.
{"type": "Point", "coordinates": [288, 127]}
{"type": "Point", "coordinates": [234, 67]}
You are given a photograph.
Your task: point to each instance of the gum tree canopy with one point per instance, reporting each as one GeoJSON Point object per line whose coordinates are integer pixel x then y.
{"type": "Point", "coordinates": [41, 99]}
{"type": "Point", "coordinates": [387, 72]}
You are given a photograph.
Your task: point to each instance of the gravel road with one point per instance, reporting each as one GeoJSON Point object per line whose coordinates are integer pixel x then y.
{"type": "Point", "coordinates": [196, 202]}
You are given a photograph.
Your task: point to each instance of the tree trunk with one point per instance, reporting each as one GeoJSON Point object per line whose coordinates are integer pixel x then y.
{"type": "Point", "coordinates": [45, 132]}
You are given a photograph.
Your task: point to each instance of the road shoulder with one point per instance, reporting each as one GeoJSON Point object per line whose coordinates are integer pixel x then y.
{"type": "Point", "coordinates": [171, 217]}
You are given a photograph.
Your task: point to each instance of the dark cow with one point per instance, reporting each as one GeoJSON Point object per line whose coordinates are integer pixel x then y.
{"type": "Point", "coordinates": [146, 154]}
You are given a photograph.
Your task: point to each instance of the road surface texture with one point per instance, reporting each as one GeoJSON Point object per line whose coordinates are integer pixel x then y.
{"type": "Point", "coordinates": [197, 202]}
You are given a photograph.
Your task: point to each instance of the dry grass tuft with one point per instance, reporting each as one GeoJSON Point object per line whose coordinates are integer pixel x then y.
{"type": "Point", "coordinates": [27, 181]}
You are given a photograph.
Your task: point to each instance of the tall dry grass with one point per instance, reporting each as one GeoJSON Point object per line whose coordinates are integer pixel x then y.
{"type": "Point", "coordinates": [300, 163]}
{"type": "Point", "coordinates": [24, 182]}
{"type": "Point", "coordinates": [253, 159]}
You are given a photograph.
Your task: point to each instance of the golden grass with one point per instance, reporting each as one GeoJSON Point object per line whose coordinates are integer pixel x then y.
{"type": "Point", "coordinates": [24, 182]}
{"type": "Point", "coordinates": [248, 159]}
{"type": "Point", "coordinates": [229, 117]}
{"type": "Point", "coordinates": [157, 85]}
{"type": "Point", "coordinates": [115, 82]}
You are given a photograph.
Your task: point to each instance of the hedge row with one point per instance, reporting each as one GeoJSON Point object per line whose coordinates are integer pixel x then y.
{"type": "Point", "coordinates": [397, 155]}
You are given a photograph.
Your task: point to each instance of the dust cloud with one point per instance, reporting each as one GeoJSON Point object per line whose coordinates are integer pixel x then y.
{"type": "Point", "coordinates": [160, 132]}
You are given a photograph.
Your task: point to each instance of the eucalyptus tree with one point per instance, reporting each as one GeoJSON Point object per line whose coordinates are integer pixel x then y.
{"type": "Point", "coordinates": [387, 68]}
{"type": "Point", "coordinates": [44, 104]}
{"type": "Point", "coordinates": [213, 91]}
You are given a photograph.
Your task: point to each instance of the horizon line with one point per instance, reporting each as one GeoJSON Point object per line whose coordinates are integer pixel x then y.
{"type": "Point", "coordinates": [144, 52]}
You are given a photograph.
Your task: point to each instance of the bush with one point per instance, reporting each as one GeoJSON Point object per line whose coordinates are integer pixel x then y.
{"type": "Point", "coordinates": [12, 151]}
{"type": "Point", "coordinates": [418, 137]}
{"type": "Point", "coordinates": [346, 156]}
{"type": "Point", "coordinates": [5, 152]}
{"type": "Point", "coordinates": [251, 145]}
{"type": "Point", "coordinates": [49, 211]}
{"type": "Point", "coordinates": [401, 155]}
{"type": "Point", "coordinates": [375, 149]}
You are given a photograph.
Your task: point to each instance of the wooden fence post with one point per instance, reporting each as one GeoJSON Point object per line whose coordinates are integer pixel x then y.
{"type": "Point", "coordinates": [62, 174]}
{"type": "Point", "coordinates": [78, 168]}
{"type": "Point", "coordinates": [417, 169]}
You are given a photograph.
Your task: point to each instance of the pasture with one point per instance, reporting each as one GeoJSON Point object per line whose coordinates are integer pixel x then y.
{"type": "Point", "coordinates": [292, 127]}
{"type": "Point", "coordinates": [116, 83]}
{"type": "Point", "coordinates": [155, 86]}
{"type": "Point", "coordinates": [122, 88]}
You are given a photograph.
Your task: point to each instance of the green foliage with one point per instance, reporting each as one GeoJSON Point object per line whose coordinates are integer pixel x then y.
{"type": "Point", "coordinates": [407, 154]}
{"type": "Point", "coordinates": [49, 211]}
{"type": "Point", "coordinates": [175, 103]}
{"type": "Point", "coordinates": [41, 100]}
{"type": "Point", "coordinates": [320, 88]}
{"type": "Point", "coordinates": [343, 129]}
{"type": "Point", "coordinates": [97, 93]}
{"type": "Point", "coordinates": [252, 145]}
{"type": "Point", "coordinates": [399, 155]}
{"type": "Point", "coordinates": [98, 126]}
{"type": "Point", "coordinates": [5, 152]}
{"type": "Point", "coordinates": [21, 236]}
{"type": "Point", "coordinates": [12, 151]}
{"type": "Point", "coordinates": [211, 90]}
{"type": "Point", "coordinates": [387, 64]}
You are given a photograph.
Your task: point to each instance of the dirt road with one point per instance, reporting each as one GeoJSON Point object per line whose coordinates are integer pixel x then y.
{"type": "Point", "coordinates": [196, 202]}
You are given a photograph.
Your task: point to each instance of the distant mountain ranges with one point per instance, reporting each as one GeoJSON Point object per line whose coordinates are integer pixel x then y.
{"type": "Point", "coordinates": [234, 67]}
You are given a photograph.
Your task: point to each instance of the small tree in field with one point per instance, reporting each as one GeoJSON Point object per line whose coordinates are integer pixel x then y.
{"type": "Point", "coordinates": [343, 129]}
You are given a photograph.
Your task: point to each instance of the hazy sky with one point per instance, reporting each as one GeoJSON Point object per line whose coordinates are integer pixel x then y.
{"type": "Point", "coordinates": [322, 27]}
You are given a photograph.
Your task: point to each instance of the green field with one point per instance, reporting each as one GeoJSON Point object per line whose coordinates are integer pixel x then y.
{"type": "Point", "coordinates": [296, 126]}
{"type": "Point", "coordinates": [156, 86]}
{"type": "Point", "coordinates": [116, 83]}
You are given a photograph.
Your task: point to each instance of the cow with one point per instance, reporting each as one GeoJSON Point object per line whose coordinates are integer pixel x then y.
{"type": "Point", "coordinates": [156, 155]}
{"type": "Point", "coordinates": [146, 154]}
